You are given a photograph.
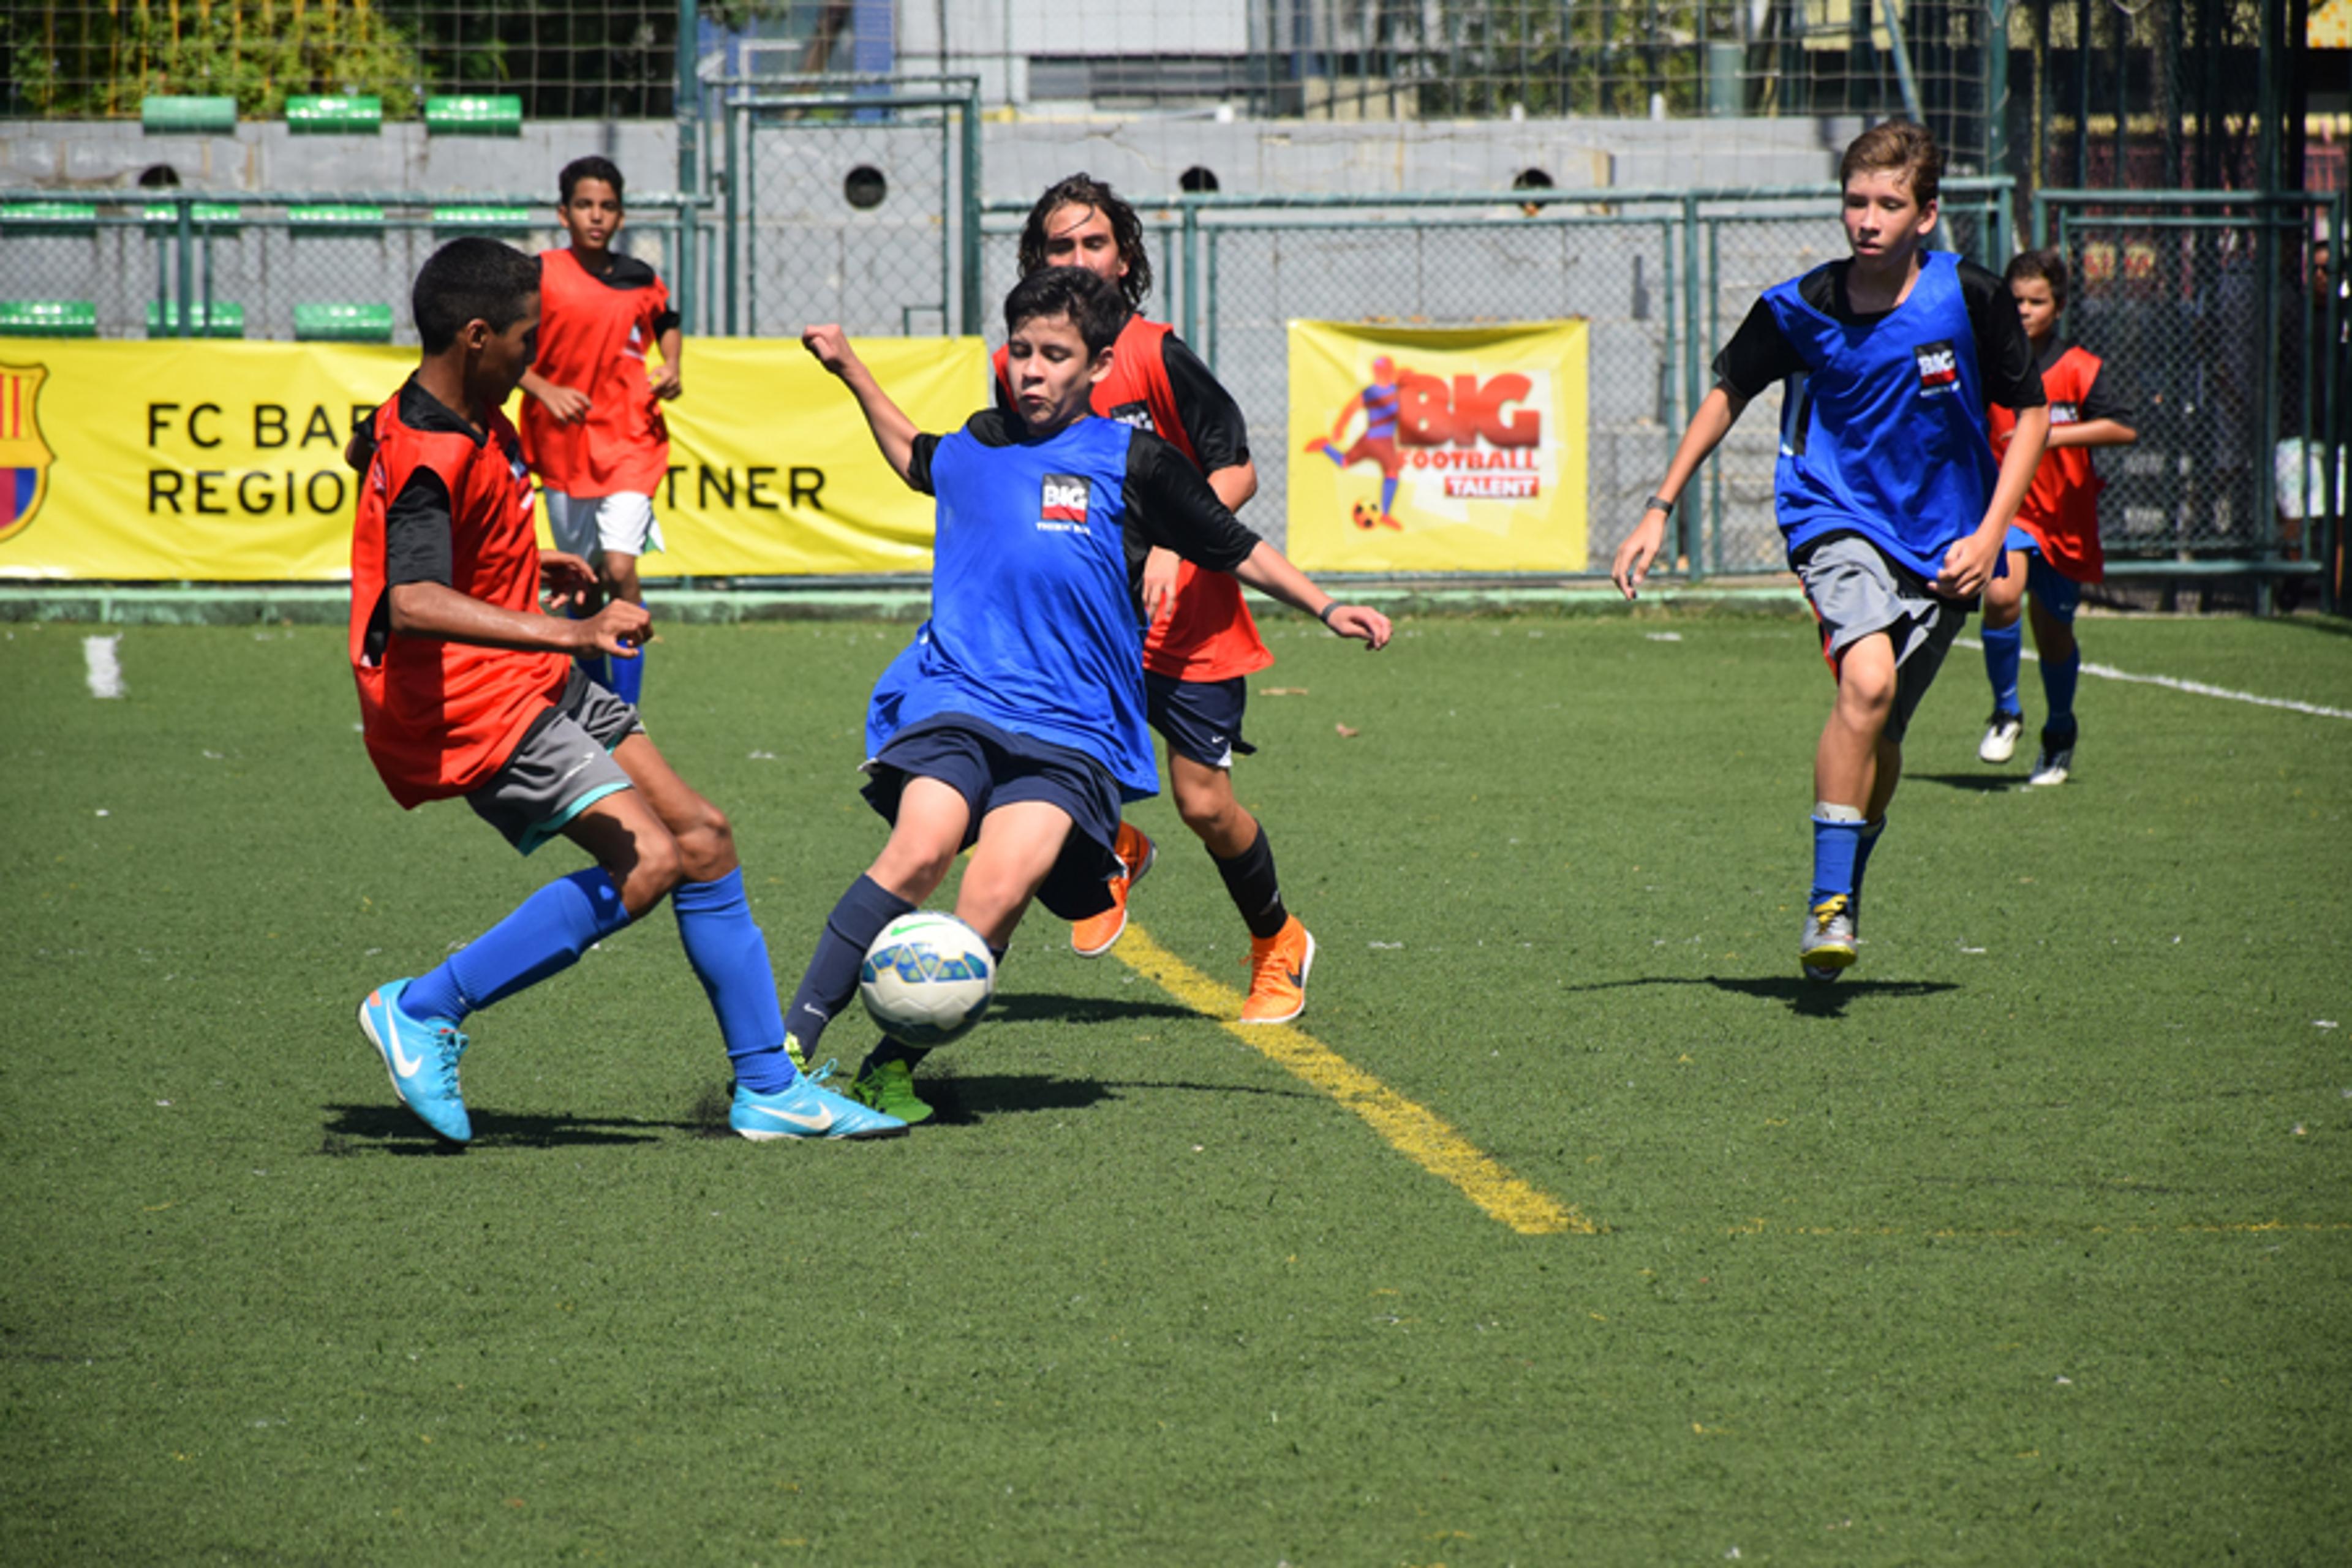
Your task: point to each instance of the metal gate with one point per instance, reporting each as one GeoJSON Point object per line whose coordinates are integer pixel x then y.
{"type": "Point", "coordinates": [2220, 314]}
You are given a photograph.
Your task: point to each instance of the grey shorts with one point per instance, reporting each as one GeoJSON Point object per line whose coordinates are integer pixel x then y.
{"type": "Point", "coordinates": [1857, 591]}
{"type": "Point", "coordinates": [562, 765]}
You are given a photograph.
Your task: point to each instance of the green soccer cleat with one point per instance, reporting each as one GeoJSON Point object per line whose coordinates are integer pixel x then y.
{"type": "Point", "coordinates": [888, 1085]}
{"type": "Point", "coordinates": [1828, 945]}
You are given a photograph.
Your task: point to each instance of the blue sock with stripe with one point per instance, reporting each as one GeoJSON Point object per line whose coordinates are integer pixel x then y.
{"type": "Point", "coordinates": [2004, 652]}
{"type": "Point", "coordinates": [545, 935]}
{"type": "Point", "coordinates": [2059, 678]}
{"type": "Point", "coordinates": [628, 681]}
{"type": "Point", "coordinates": [1837, 840]}
{"type": "Point", "coordinates": [832, 977]}
{"type": "Point", "coordinates": [730, 958]}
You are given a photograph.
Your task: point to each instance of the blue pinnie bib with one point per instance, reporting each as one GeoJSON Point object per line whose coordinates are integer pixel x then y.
{"type": "Point", "coordinates": [1033, 624]}
{"type": "Point", "coordinates": [1884, 434]}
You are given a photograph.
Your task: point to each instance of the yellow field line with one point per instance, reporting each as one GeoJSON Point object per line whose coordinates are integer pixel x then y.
{"type": "Point", "coordinates": [1413, 1130]}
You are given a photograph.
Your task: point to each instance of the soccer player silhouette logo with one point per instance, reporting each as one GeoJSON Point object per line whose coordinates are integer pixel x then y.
{"type": "Point", "coordinates": [1378, 444]}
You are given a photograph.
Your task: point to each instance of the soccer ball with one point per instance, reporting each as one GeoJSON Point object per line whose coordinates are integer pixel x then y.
{"type": "Point", "coordinates": [928, 978]}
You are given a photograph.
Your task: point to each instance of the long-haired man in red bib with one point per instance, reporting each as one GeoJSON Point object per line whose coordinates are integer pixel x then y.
{"type": "Point", "coordinates": [2053, 546]}
{"type": "Point", "coordinates": [592, 423]}
{"type": "Point", "coordinates": [1202, 645]}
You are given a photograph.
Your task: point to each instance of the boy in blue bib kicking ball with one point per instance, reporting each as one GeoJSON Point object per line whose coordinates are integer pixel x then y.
{"type": "Point", "coordinates": [1015, 724]}
{"type": "Point", "coordinates": [1889, 497]}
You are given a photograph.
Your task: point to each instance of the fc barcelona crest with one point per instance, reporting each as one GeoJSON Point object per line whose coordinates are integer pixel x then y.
{"type": "Point", "coordinates": [24, 458]}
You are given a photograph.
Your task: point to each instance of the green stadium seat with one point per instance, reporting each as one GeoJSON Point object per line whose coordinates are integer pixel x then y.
{"type": "Point", "coordinates": [343, 323]}
{"type": "Point", "coordinates": [335, 217]}
{"type": "Point", "coordinates": [481, 220]}
{"type": "Point", "coordinates": [26, 220]}
{"type": "Point", "coordinates": [170, 116]}
{"type": "Point", "coordinates": [224, 322]}
{"type": "Point", "coordinates": [223, 216]}
{"type": "Point", "coordinates": [47, 319]}
{"type": "Point", "coordinates": [475, 114]}
{"type": "Point", "coordinates": [337, 114]}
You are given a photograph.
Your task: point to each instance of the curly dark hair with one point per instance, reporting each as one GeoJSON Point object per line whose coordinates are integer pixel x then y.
{"type": "Point", "coordinates": [1083, 190]}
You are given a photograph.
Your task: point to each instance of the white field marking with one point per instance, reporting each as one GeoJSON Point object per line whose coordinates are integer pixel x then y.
{"type": "Point", "coordinates": [102, 666]}
{"type": "Point", "coordinates": [2194, 688]}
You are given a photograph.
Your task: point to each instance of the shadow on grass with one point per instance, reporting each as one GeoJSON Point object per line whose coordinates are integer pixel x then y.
{"type": "Point", "coordinates": [1808, 998]}
{"type": "Point", "coordinates": [1039, 1006]}
{"type": "Point", "coordinates": [964, 1101]}
{"type": "Point", "coordinates": [394, 1129]}
{"type": "Point", "coordinates": [1981, 784]}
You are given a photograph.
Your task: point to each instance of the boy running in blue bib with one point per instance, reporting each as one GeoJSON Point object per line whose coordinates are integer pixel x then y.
{"type": "Point", "coordinates": [1015, 725]}
{"type": "Point", "coordinates": [1892, 505]}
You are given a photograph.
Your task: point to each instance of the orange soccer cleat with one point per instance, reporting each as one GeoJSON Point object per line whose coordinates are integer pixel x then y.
{"type": "Point", "coordinates": [1092, 936]}
{"type": "Point", "coordinates": [1278, 966]}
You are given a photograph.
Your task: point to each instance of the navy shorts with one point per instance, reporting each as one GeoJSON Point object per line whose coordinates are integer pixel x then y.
{"type": "Point", "coordinates": [991, 767]}
{"type": "Point", "coordinates": [1199, 719]}
{"type": "Point", "coordinates": [2058, 594]}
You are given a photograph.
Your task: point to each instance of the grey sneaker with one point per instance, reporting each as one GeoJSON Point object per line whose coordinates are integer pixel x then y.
{"type": "Point", "coordinates": [2056, 761]}
{"type": "Point", "coordinates": [1827, 946]}
{"type": "Point", "coordinates": [2000, 742]}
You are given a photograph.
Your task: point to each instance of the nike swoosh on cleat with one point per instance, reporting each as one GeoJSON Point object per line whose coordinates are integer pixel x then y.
{"type": "Point", "coordinates": [402, 1063]}
{"type": "Point", "coordinates": [808, 1123]}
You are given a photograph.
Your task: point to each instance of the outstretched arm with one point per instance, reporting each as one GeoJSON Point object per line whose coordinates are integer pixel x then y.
{"type": "Point", "coordinates": [2093, 433]}
{"type": "Point", "coordinates": [893, 431]}
{"type": "Point", "coordinates": [1717, 412]}
{"type": "Point", "coordinates": [1269, 570]}
{"type": "Point", "coordinates": [437, 610]}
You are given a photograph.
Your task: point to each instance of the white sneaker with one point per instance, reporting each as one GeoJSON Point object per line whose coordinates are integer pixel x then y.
{"type": "Point", "coordinates": [2000, 742]}
{"type": "Point", "coordinates": [2056, 761]}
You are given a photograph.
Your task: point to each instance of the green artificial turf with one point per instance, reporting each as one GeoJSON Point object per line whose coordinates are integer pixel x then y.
{"type": "Point", "coordinates": [2030, 1241]}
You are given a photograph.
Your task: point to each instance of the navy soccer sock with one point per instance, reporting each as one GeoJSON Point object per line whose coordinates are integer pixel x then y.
{"type": "Point", "coordinates": [2004, 650]}
{"type": "Point", "coordinates": [730, 958]}
{"type": "Point", "coordinates": [832, 976]}
{"type": "Point", "coordinates": [545, 935]}
{"type": "Point", "coordinates": [1836, 840]}
{"type": "Point", "coordinates": [2059, 678]}
{"type": "Point", "coordinates": [1257, 890]}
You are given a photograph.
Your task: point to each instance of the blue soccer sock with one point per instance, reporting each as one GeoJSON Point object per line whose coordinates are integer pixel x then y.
{"type": "Point", "coordinates": [1837, 841]}
{"type": "Point", "coordinates": [832, 977]}
{"type": "Point", "coordinates": [2004, 651]}
{"type": "Point", "coordinates": [593, 663]}
{"type": "Point", "coordinates": [2059, 678]}
{"type": "Point", "coordinates": [1863, 846]}
{"type": "Point", "coordinates": [545, 935]}
{"type": "Point", "coordinates": [730, 958]}
{"type": "Point", "coordinates": [628, 681]}
{"type": "Point", "coordinates": [1388, 496]}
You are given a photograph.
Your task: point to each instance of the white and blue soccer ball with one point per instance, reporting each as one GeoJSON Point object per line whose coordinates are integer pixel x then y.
{"type": "Point", "coordinates": [928, 978]}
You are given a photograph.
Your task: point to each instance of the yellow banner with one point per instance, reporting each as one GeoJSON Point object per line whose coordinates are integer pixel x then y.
{"type": "Point", "coordinates": [1437, 450]}
{"type": "Point", "coordinates": [224, 461]}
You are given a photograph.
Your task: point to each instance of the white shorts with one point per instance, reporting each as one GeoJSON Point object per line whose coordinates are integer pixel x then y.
{"type": "Point", "coordinates": [588, 526]}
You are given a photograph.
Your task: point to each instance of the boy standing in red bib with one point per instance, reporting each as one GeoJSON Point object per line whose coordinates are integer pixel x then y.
{"type": "Point", "coordinates": [2053, 546]}
{"type": "Point", "coordinates": [592, 425]}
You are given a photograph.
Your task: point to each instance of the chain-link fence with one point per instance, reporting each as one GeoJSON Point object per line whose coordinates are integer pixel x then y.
{"type": "Point", "coordinates": [848, 203]}
{"type": "Point", "coordinates": [2220, 319]}
{"type": "Point", "coordinates": [283, 265]}
{"type": "Point", "coordinates": [1663, 278]}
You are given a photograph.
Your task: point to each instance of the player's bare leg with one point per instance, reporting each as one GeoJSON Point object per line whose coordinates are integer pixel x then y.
{"type": "Point", "coordinates": [1282, 951]}
{"type": "Point", "coordinates": [924, 839]}
{"type": "Point", "coordinates": [2004, 640]}
{"type": "Point", "coordinates": [1856, 770]}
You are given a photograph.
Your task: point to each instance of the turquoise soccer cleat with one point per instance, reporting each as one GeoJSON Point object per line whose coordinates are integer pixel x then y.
{"type": "Point", "coordinates": [806, 1110]}
{"type": "Point", "coordinates": [422, 1059]}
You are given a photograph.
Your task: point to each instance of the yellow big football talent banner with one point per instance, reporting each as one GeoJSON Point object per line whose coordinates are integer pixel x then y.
{"type": "Point", "coordinates": [224, 462]}
{"type": "Point", "coordinates": [1453, 449]}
